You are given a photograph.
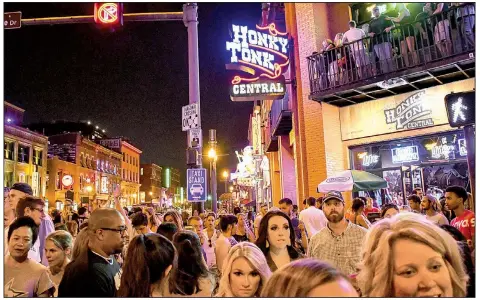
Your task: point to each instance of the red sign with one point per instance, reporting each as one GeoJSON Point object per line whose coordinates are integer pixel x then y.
{"type": "Point", "coordinates": [108, 13]}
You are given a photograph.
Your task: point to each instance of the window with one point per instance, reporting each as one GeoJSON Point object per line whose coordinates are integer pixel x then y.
{"type": "Point", "coordinates": [37, 157]}
{"type": "Point", "coordinates": [23, 154]}
{"type": "Point", "coordinates": [141, 171]}
{"type": "Point", "coordinates": [9, 148]}
{"type": "Point", "coordinates": [82, 159]}
{"type": "Point", "coordinates": [123, 156]}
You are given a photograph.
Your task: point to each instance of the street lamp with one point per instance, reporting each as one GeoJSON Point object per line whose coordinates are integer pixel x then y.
{"type": "Point", "coordinates": [212, 154]}
{"type": "Point", "coordinates": [225, 177]}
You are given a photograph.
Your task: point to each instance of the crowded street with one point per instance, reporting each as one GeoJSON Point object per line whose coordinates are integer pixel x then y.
{"type": "Point", "coordinates": [277, 150]}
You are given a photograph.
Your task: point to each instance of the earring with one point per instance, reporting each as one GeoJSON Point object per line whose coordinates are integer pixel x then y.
{"type": "Point", "coordinates": [267, 244]}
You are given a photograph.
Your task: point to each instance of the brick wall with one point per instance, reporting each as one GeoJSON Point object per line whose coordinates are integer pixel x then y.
{"type": "Point", "coordinates": [287, 170]}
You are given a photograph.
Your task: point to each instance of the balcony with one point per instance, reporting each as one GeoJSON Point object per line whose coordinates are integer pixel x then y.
{"type": "Point", "coordinates": [380, 66]}
{"type": "Point", "coordinates": [281, 117]}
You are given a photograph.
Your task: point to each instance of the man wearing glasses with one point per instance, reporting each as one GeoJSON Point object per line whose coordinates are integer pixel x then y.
{"type": "Point", "coordinates": [32, 207]}
{"type": "Point", "coordinates": [96, 273]}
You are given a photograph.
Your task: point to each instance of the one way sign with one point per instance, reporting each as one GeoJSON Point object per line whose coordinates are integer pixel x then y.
{"type": "Point", "coordinates": [12, 20]}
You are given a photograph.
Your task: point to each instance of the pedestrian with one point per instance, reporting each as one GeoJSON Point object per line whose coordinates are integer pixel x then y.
{"type": "Point", "coordinates": [245, 272]}
{"type": "Point", "coordinates": [340, 242]}
{"type": "Point", "coordinates": [466, 255]}
{"type": "Point", "coordinates": [308, 278]}
{"type": "Point", "coordinates": [153, 221]}
{"type": "Point", "coordinates": [277, 240]}
{"type": "Point", "coordinates": [225, 241]}
{"type": "Point", "coordinates": [369, 208]}
{"type": "Point", "coordinates": [172, 216]}
{"type": "Point", "coordinates": [405, 256]}
{"type": "Point", "coordinates": [379, 30]}
{"type": "Point", "coordinates": [167, 229]}
{"type": "Point", "coordinates": [418, 192]}
{"type": "Point", "coordinates": [318, 203]}
{"type": "Point", "coordinates": [58, 250]}
{"type": "Point", "coordinates": [82, 215]}
{"type": "Point", "coordinates": [358, 218]}
{"type": "Point", "coordinates": [32, 207]}
{"type": "Point", "coordinates": [140, 223]}
{"type": "Point", "coordinates": [314, 219]}
{"type": "Point", "coordinates": [211, 235]}
{"type": "Point", "coordinates": [96, 267]}
{"type": "Point", "coordinates": [197, 224]}
{"type": "Point", "coordinates": [242, 232]}
{"type": "Point", "coordinates": [190, 276]}
{"type": "Point", "coordinates": [72, 228]}
{"type": "Point", "coordinates": [389, 210]}
{"type": "Point", "coordinates": [81, 243]}
{"type": "Point", "coordinates": [301, 236]}
{"type": "Point", "coordinates": [354, 36]}
{"type": "Point", "coordinates": [431, 209]}
{"type": "Point", "coordinates": [465, 219]}
{"type": "Point", "coordinates": [258, 218]}
{"type": "Point", "coordinates": [24, 277]}
{"type": "Point", "coordinates": [150, 258]}
{"type": "Point", "coordinates": [414, 203]}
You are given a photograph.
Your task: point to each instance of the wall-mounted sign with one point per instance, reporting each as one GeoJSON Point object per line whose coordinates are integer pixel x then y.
{"type": "Point", "coordinates": [260, 57]}
{"type": "Point", "coordinates": [462, 147]}
{"type": "Point", "coordinates": [67, 181]}
{"type": "Point", "coordinates": [111, 143]}
{"type": "Point", "coordinates": [412, 113]}
{"type": "Point", "coordinates": [460, 108]}
{"type": "Point", "coordinates": [190, 116]}
{"type": "Point", "coordinates": [405, 154]}
{"type": "Point", "coordinates": [368, 159]}
{"type": "Point", "coordinates": [104, 185]}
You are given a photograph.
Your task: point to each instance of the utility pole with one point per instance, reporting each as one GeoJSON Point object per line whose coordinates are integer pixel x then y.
{"type": "Point", "coordinates": [190, 19]}
{"type": "Point", "coordinates": [212, 140]}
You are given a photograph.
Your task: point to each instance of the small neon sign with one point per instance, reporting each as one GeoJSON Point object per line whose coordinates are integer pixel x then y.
{"type": "Point", "coordinates": [108, 13]}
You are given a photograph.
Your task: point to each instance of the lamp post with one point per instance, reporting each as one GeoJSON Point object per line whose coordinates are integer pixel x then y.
{"type": "Point", "coordinates": [212, 154]}
{"type": "Point", "coordinates": [225, 177]}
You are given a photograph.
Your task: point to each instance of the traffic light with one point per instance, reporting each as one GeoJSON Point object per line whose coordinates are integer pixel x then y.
{"type": "Point", "coordinates": [108, 14]}
{"type": "Point", "coordinates": [460, 108]}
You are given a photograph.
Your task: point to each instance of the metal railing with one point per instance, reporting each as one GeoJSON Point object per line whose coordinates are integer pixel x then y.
{"type": "Point", "coordinates": [434, 38]}
{"type": "Point", "coordinates": [278, 106]}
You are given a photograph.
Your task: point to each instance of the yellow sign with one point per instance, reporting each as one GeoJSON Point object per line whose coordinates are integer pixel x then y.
{"type": "Point", "coordinates": [409, 111]}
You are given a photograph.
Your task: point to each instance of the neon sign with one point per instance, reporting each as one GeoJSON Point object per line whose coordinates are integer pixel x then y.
{"type": "Point", "coordinates": [262, 55]}
{"type": "Point", "coordinates": [368, 159]}
{"type": "Point", "coordinates": [108, 13]}
{"type": "Point", "coordinates": [405, 154]}
{"type": "Point", "coordinates": [462, 146]}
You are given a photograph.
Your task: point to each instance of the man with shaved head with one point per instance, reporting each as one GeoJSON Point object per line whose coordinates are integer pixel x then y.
{"type": "Point", "coordinates": [96, 273]}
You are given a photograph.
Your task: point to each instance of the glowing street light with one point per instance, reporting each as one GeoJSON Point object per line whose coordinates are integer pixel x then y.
{"type": "Point", "coordinates": [212, 154]}
{"type": "Point", "coordinates": [89, 188]}
{"type": "Point", "coordinates": [89, 122]}
{"type": "Point", "coordinates": [231, 189]}
{"type": "Point", "coordinates": [151, 193]}
{"type": "Point", "coordinates": [96, 127]}
{"type": "Point", "coordinates": [225, 174]}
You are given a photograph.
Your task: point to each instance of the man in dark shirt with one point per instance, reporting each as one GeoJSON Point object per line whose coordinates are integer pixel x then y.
{"type": "Point", "coordinates": [96, 273]}
{"type": "Point", "coordinates": [424, 35]}
{"type": "Point", "coordinates": [286, 206]}
{"type": "Point", "coordinates": [379, 30]}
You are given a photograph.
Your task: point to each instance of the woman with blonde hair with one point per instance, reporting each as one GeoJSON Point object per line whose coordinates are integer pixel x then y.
{"type": "Point", "coordinates": [245, 272]}
{"type": "Point", "coordinates": [172, 216]}
{"type": "Point", "coordinates": [308, 278]}
{"type": "Point", "coordinates": [81, 243]}
{"type": "Point", "coordinates": [407, 256]}
{"type": "Point", "coordinates": [58, 248]}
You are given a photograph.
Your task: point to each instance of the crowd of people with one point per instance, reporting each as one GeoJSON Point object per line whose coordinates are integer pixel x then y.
{"type": "Point", "coordinates": [320, 251]}
{"type": "Point", "coordinates": [396, 42]}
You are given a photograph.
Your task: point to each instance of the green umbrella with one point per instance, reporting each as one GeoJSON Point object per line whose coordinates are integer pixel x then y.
{"type": "Point", "coordinates": [352, 180]}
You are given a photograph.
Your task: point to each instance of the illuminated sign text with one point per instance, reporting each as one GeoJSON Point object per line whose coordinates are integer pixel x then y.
{"type": "Point", "coordinates": [405, 154]}
{"type": "Point", "coordinates": [411, 113]}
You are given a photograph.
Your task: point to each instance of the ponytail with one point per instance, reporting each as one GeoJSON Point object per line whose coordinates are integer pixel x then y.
{"type": "Point", "coordinates": [135, 280]}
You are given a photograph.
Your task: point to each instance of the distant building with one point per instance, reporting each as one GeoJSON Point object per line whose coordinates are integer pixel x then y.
{"type": "Point", "coordinates": [130, 168]}
{"type": "Point", "coordinates": [84, 169]}
{"type": "Point", "coordinates": [171, 181]}
{"type": "Point", "coordinates": [25, 152]}
{"type": "Point", "coordinates": [86, 130]}
{"type": "Point", "coordinates": [151, 183]}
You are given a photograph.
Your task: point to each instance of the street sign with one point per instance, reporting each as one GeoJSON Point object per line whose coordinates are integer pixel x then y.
{"type": "Point", "coordinates": [460, 108]}
{"type": "Point", "coordinates": [12, 20]}
{"type": "Point", "coordinates": [190, 116]}
{"type": "Point", "coordinates": [108, 13]}
{"type": "Point", "coordinates": [195, 138]}
{"type": "Point", "coordinates": [197, 185]}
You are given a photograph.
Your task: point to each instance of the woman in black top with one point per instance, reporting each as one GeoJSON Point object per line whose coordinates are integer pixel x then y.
{"type": "Point", "coordinates": [242, 231]}
{"type": "Point", "coordinates": [405, 34]}
{"type": "Point", "coordinates": [276, 239]}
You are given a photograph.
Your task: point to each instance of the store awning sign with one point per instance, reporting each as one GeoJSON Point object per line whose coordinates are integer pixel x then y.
{"type": "Point", "coordinates": [259, 57]}
{"type": "Point", "coordinates": [405, 154]}
{"type": "Point", "coordinates": [411, 113]}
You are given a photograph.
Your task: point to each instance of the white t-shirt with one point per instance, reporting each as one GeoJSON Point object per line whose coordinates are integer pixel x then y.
{"type": "Point", "coordinates": [354, 34]}
{"type": "Point", "coordinates": [438, 219]}
{"type": "Point", "coordinates": [210, 251]}
{"type": "Point", "coordinates": [314, 220]}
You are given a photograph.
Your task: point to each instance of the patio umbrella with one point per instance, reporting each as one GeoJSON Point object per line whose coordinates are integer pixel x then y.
{"type": "Point", "coordinates": [352, 180]}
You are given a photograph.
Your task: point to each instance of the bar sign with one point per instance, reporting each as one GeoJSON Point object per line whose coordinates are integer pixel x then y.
{"type": "Point", "coordinates": [12, 20]}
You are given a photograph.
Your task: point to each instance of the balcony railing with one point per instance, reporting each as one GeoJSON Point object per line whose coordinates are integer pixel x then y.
{"type": "Point", "coordinates": [281, 116]}
{"type": "Point", "coordinates": [417, 44]}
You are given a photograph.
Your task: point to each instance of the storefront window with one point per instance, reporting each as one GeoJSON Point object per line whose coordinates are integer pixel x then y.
{"type": "Point", "coordinates": [23, 154]}
{"type": "Point", "coordinates": [429, 162]}
{"type": "Point", "coordinates": [9, 149]}
{"type": "Point", "coordinates": [37, 157]}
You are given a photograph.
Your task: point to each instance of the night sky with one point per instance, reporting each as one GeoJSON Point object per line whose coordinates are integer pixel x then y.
{"type": "Point", "coordinates": [132, 82]}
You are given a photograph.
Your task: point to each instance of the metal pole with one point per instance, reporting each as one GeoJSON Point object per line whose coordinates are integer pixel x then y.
{"type": "Point", "coordinates": [214, 185]}
{"type": "Point", "coordinates": [226, 186]}
{"type": "Point", "coordinates": [469, 132]}
{"type": "Point", "coordinates": [190, 19]}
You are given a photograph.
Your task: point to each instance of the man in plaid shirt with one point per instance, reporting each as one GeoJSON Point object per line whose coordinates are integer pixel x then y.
{"type": "Point", "coordinates": [340, 241]}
